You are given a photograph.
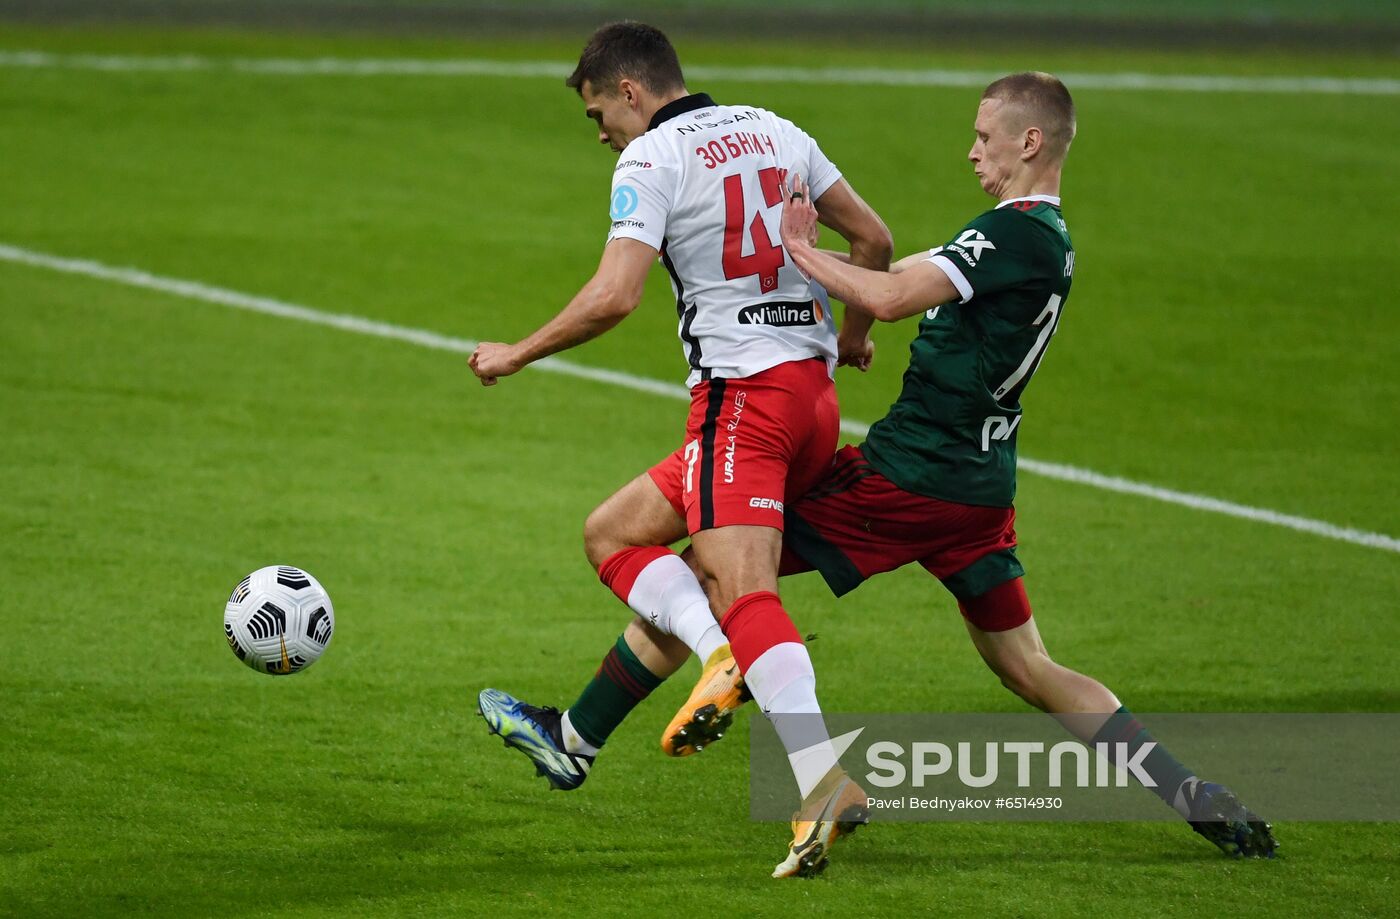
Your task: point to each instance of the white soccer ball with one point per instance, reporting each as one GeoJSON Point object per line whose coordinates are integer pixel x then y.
{"type": "Point", "coordinates": [279, 620]}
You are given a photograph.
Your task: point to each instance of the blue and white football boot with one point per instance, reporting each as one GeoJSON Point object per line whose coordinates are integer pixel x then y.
{"type": "Point", "coordinates": [535, 732]}
{"type": "Point", "coordinates": [1220, 817]}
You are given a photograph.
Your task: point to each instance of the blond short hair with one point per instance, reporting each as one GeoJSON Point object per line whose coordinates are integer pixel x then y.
{"type": "Point", "coordinates": [1044, 102]}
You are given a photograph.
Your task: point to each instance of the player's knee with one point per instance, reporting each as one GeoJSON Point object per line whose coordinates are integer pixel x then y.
{"type": "Point", "coordinates": [693, 563]}
{"type": "Point", "coordinates": [724, 590]}
{"type": "Point", "coordinates": [707, 583]}
{"type": "Point", "coordinates": [738, 576]}
{"type": "Point", "coordinates": [600, 539]}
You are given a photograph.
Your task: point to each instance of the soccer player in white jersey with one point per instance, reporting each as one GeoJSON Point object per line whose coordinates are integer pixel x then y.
{"type": "Point", "coordinates": [699, 184]}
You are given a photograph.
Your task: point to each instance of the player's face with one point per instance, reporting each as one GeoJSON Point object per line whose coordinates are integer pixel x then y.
{"type": "Point", "coordinates": [996, 153]}
{"type": "Point", "coordinates": [616, 116]}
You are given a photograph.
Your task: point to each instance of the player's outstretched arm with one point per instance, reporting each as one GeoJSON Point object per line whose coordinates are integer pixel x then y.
{"type": "Point", "coordinates": [610, 295]}
{"type": "Point", "coordinates": [887, 296]}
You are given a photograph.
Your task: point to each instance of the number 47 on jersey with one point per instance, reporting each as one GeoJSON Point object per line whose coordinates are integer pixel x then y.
{"type": "Point", "coordinates": [767, 257]}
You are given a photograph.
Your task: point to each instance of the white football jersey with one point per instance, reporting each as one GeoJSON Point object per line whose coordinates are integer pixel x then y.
{"type": "Point", "coordinates": [704, 187]}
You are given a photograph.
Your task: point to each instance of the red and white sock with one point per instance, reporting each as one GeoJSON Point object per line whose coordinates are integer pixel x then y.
{"type": "Point", "coordinates": [660, 587]}
{"type": "Point", "coordinates": [778, 671]}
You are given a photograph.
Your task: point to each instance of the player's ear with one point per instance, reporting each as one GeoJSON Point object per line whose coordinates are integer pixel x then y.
{"type": "Point", "coordinates": [628, 91]}
{"type": "Point", "coordinates": [1031, 142]}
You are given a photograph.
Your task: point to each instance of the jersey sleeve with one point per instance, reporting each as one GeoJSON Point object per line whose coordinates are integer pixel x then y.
{"type": "Point", "coordinates": [643, 191]}
{"type": "Point", "coordinates": [824, 173]}
{"type": "Point", "coordinates": [990, 254]}
{"type": "Point", "coordinates": [821, 173]}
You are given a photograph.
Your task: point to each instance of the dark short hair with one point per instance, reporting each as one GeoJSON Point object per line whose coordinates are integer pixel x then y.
{"type": "Point", "coordinates": [630, 50]}
{"type": "Point", "coordinates": [1045, 102]}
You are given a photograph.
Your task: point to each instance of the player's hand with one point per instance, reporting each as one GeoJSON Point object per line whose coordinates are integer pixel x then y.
{"type": "Point", "coordinates": [492, 360]}
{"type": "Point", "coordinates": [857, 354]}
{"type": "Point", "coordinates": [799, 225]}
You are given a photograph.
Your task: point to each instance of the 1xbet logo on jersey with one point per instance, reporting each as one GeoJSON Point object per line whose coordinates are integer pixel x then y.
{"type": "Point", "coordinates": [970, 246]}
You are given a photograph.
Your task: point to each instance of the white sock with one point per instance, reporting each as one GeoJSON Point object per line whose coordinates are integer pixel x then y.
{"type": "Point", "coordinates": [811, 765]}
{"type": "Point", "coordinates": [667, 594]}
{"type": "Point", "coordinates": [573, 741]}
{"type": "Point", "coordinates": [784, 684]}
{"type": "Point", "coordinates": [709, 638]}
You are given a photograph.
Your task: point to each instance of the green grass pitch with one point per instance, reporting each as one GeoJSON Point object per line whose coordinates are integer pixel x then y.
{"type": "Point", "coordinates": [1232, 332]}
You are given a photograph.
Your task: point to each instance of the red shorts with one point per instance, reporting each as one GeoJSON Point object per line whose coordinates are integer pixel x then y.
{"type": "Point", "coordinates": [857, 523]}
{"type": "Point", "coordinates": [751, 446]}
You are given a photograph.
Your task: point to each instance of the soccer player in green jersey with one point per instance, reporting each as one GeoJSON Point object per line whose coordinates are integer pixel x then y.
{"type": "Point", "coordinates": [935, 479]}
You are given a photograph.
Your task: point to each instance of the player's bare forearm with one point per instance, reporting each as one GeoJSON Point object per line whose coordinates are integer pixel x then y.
{"type": "Point", "coordinates": [855, 286]}
{"type": "Point", "coordinates": [843, 278]}
{"type": "Point", "coordinates": [855, 324]}
{"type": "Point", "coordinates": [909, 261]}
{"type": "Point", "coordinates": [845, 212]}
{"type": "Point", "coordinates": [594, 310]}
{"type": "Point", "coordinates": [887, 296]}
{"type": "Point", "coordinates": [872, 253]}
{"type": "Point", "coordinates": [613, 292]}
{"type": "Point", "coordinates": [853, 345]}
{"type": "Point", "coordinates": [871, 247]}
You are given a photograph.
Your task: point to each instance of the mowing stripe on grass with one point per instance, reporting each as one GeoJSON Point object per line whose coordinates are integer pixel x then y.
{"type": "Point", "coordinates": [847, 76]}
{"type": "Point", "coordinates": [422, 337]}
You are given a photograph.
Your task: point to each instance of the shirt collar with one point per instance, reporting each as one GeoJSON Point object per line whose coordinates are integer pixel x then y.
{"type": "Point", "coordinates": [1048, 199]}
{"type": "Point", "coordinates": [680, 106]}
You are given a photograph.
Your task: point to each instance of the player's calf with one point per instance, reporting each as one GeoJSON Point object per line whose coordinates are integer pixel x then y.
{"type": "Point", "coordinates": [1018, 657]}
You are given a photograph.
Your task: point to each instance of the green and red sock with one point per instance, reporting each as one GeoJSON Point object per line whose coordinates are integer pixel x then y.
{"type": "Point", "coordinates": [620, 684]}
{"type": "Point", "coordinates": [1122, 727]}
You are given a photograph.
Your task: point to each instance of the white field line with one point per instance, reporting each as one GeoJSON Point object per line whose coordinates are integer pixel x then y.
{"type": "Point", "coordinates": [231, 298]}
{"type": "Point", "coordinates": [850, 76]}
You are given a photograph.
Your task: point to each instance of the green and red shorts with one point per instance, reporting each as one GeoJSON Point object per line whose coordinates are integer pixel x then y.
{"type": "Point", "coordinates": [856, 523]}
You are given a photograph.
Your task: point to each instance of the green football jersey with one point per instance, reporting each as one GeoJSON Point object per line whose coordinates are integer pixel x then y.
{"type": "Point", "coordinates": [952, 433]}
